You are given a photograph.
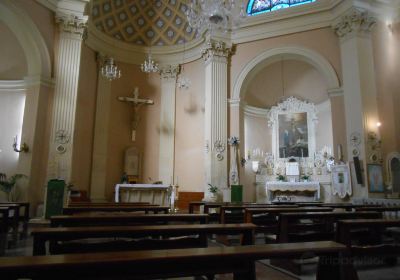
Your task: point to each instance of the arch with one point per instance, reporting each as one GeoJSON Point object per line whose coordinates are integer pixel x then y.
{"type": "Point", "coordinates": [273, 55]}
{"type": "Point", "coordinates": [389, 158]}
{"type": "Point", "coordinates": [32, 42]}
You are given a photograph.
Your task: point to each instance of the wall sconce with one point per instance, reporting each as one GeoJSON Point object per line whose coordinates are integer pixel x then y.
{"type": "Point", "coordinates": [378, 124]}
{"type": "Point", "coordinates": [255, 166]}
{"type": "Point", "coordinates": [24, 148]}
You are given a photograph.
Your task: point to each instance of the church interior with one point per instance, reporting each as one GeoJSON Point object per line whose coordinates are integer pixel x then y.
{"type": "Point", "coordinates": [236, 139]}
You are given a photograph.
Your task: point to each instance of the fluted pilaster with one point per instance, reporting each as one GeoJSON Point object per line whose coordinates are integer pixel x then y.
{"type": "Point", "coordinates": [167, 123]}
{"type": "Point", "coordinates": [215, 54]}
{"type": "Point", "coordinates": [67, 63]}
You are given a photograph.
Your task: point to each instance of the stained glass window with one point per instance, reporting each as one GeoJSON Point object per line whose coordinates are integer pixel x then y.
{"type": "Point", "coordinates": [262, 6]}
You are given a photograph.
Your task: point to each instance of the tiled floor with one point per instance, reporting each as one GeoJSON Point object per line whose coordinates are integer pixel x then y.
{"type": "Point", "coordinates": [264, 270]}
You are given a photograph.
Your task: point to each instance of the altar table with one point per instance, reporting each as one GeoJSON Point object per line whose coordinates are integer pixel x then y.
{"type": "Point", "coordinates": [153, 193]}
{"type": "Point", "coordinates": [293, 187]}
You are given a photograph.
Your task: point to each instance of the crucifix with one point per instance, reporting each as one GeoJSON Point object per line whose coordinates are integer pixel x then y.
{"type": "Point", "coordinates": [136, 103]}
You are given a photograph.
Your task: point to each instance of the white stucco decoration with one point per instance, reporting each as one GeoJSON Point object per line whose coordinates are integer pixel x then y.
{"type": "Point", "coordinates": [293, 105]}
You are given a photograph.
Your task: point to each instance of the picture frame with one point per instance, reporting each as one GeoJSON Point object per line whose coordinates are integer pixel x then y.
{"type": "Point", "coordinates": [341, 180]}
{"type": "Point", "coordinates": [375, 178]}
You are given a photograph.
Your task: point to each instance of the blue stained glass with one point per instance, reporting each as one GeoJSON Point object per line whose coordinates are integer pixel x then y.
{"type": "Point", "coordinates": [263, 6]}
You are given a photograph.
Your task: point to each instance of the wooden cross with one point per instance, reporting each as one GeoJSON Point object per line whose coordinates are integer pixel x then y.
{"type": "Point", "coordinates": [136, 102]}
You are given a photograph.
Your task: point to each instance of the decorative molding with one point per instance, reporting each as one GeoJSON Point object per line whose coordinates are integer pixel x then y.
{"type": "Point", "coordinates": [354, 21]}
{"type": "Point", "coordinates": [71, 23]}
{"type": "Point", "coordinates": [29, 37]}
{"type": "Point", "coordinates": [293, 105]}
{"type": "Point", "coordinates": [27, 83]}
{"type": "Point", "coordinates": [234, 102]}
{"type": "Point", "coordinates": [169, 71]}
{"type": "Point", "coordinates": [335, 92]}
{"type": "Point", "coordinates": [215, 49]}
{"type": "Point", "coordinates": [268, 57]}
{"type": "Point", "coordinates": [255, 111]}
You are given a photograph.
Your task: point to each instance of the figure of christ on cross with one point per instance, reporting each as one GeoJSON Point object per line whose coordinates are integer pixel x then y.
{"type": "Point", "coordinates": [136, 103]}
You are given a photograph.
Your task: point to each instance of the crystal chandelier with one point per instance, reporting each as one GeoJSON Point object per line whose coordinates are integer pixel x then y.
{"type": "Point", "coordinates": [110, 70]}
{"type": "Point", "coordinates": [215, 14]}
{"type": "Point", "coordinates": [149, 66]}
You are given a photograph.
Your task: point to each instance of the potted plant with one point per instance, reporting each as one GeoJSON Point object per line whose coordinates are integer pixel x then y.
{"type": "Point", "coordinates": [280, 178]}
{"type": "Point", "coordinates": [305, 178]}
{"type": "Point", "coordinates": [7, 186]}
{"type": "Point", "coordinates": [213, 190]}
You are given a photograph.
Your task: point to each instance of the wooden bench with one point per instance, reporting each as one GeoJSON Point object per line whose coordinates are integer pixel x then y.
{"type": "Point", "coordinates": [85, 204]}
{"type": "Point", "coordinates": [12, 222]}
{"type": "Point", "coordinates": [236, 213]}
{"type": "Point", "coordinates": [24, 218]}
{"type": "Point", "coordinates": [290, 230]}
{"type": "Point", "coordinates": [112, 219]}
{"type": "Point", "coordinates": [387, 211]}
{"type": "Point", "coordinates": [4, 226]}
{"type": "Point", "coordinates": [144, 208]}
{"type": "Point", "coordinates": [159, 235]}
{"type": "Point", "coordinates": [267, 219]}
{"type": "Point", "coordinates": [155, 264]}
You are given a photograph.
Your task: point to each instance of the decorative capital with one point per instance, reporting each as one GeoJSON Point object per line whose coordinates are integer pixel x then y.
{"type": "Point", "coordinates": [215, 48]}
{"type": "Point", "coordinates": [169, 71]}
{"type": "Point", "coordinates": [72, 24]}
{"type": "Point", "coordinates": [354, 21]}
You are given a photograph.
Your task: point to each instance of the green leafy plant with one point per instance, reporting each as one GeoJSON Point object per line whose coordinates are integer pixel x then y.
{"type": "Point", "coordinates": [212, 189]}
{"type": "Point", "coordinates": [8, 185]}
{"type": "Point", "coordinates": [305, 177]}
{"type": "Point", "coordinates": [280, 178]}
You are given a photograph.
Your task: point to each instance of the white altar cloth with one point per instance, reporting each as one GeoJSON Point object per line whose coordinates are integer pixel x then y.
{"type": "Point", "coordinates": [152, 193]}
{"type": "Point", "coordinates": [293, 187]}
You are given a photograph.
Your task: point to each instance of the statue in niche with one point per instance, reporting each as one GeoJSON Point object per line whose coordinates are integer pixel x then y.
{"type": "Point", "coordinates": [136, 103]}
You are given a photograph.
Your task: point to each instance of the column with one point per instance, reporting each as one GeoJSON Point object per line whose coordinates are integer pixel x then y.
{"type": "Point", "coordinates": [215, 54]}
{"type": "Point", "coordinates": [167, 124]}
{"type": "Point", "coordinates": [67, 62]}
{"type": "Point", "coordinates": [101, 137]}
{"type": "Point", "coordinates": [359, 89]}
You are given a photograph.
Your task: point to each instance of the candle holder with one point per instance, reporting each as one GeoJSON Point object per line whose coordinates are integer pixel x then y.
{"type": "Point", "coordinates": [24, 148]}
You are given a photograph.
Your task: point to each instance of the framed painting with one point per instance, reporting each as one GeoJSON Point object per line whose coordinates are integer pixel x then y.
{"type": "Point", "coordinates": [293, 135]}
{"type": "Point", "coordinates": [341, 180]}
{"type": "Point", "coordinates": [293, 124]}
{"type": "Point", "coordinates": [375, 178]}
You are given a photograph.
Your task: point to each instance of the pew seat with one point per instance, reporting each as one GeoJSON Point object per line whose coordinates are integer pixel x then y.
{"type": "Point", "coordinates": [153, 264]}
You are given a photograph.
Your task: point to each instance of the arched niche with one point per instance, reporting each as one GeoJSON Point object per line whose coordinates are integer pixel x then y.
{"type": "Point", "coordinates": [393, 169]}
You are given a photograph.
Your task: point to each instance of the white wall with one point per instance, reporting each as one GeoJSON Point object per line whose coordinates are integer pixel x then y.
{"type": "Point", "coordinates": [11, 117]}
{"type": "Point", "coordinates": [324, 135]}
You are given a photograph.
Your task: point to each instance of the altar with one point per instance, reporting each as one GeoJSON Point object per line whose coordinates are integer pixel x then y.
{"type": "Point", "coordinates": [162, 195]}
{"type": "Point", "coordinates": [292, 191]}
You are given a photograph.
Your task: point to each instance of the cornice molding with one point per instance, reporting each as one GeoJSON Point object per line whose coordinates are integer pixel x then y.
{"type": "Point", "coordinates": [253, 111]}
{"type": "Point", "coordinates": [335, 92]}
{"type": "Point", "coordinates": [25, 84]}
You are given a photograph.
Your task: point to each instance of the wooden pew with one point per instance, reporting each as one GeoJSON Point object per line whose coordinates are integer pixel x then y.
{"type": "Point", "coordinates": [4, 226]}
{"type": "Point", "coordinates": [347, 227]}
{"type": "Point", "coordinates": [112, 219]}
{"type": "Point", "coordinates": [267, 219]}
{"type": "Point", "coordinates": [155, 264]}
{"type": "Point", "coordinates": [385, 210]}
{"type": "Point", "coordinates": [236, 213]}
{"type": "Point", "coordinates": [12, 210]}
{"type": "Point", "coordinates": [113, 204]}
{"type": "Point", "coordinates": [289, 224]}
{"type": "Point", "coordinates": [143, 208]}
{"type": "Point", "coordinates": [24, 218]}
{"type": "Point", "coordinates": [55, 235]}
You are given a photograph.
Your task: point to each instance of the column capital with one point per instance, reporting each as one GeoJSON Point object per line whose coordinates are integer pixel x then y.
{"type": "Point", "coordinates": [215, 49]}
{"type": "Point", "coordinates": [353, 22]}
{"type": "Point", "coordinates": [169, 71]}
{"type": "Point", "coordinates": [71, 23]}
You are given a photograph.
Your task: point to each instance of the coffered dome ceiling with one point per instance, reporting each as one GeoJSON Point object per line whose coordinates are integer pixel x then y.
{"type": "Point", "coordinates": [143, 22]}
